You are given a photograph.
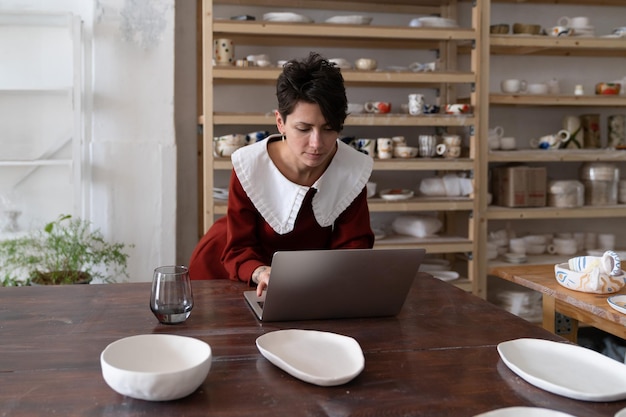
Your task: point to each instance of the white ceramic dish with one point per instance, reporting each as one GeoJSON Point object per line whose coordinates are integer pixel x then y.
{"type": "Point", "coordinates": [350, 20]}
{"type": "Point", "coordinates": [433, 22]}
{"type": "Point", "coordinates": [621, 413]}
{"type": "Point", "coordinates": [286, 17]}
{"type": "Point", "coordinates": [396, 194]}
{"type": "Point", "coordinates": [618, 302]}
{"type": "Point", "coordinates": [445, 275]}
{"type": "Point", "coordinates": [156, 367]}
{"type": "Point", "coordinates": [320, 358]}
{"type": "Point", "coordinates": [524, 412]}
{"type": "Point", "coordinates": [565, 369]}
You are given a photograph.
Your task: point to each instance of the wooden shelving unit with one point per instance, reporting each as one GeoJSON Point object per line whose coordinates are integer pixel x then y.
{"type": "Point", "coordinates": [586, 47]}
{"type": "Point", "coordinates": [447, 41]}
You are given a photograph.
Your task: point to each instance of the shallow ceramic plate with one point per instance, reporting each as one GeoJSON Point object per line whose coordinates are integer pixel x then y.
{"type": "Point", "coordinates": [618, 302]}
{"type": "Point", "coordinates": [564, 369]}
{"type": "Point", "coordinates": [445, 275]}
{"type": "Point", "coordinates": [320, 358]}
{"type": "Point", "coordinates": [395, 194]}
{"type": "Point", "coordinates": [350, 20]}
{"type": "Point", "coordinates": [523, 412]}
{"type": "Point", "coordinates": [621, 413]}
{"type": "Point", "coordinates": [286, 17]}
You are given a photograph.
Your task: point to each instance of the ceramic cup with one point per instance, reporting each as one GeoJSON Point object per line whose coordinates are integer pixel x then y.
{"type": "Point", "coordinates": [537, 88]}
{"type": "Point", "coordinates": [365, 145]}
{"type": "Point", "coordinates": [513, 86]}
{"type": "Point", "coordinates": [416, 104]}
{"type": "Point", "coordinates": [223, 51]}
{"type": "Point", "coordinates": [448, 151]}
{"type": "Point", "coordinates": [458, 108]}
{"type": "Point", "coordinates": [427, 145]}
{"type": "Point", "coordinates": [606, 241]}
{"type": "Point", "coordinates": [377, 107]}
{"type": "Point", "coordinates": [384, 148]}
{"type": "Point", "coordinates": [574, 22]}
{"type": "Point", "coordinates": [561, 31]}
{"type": "Point", "coordinates": [403, 151]}
{"type": "Point", "coordinates": [563, 246]}
{"type": "Point", "coordinates": [508, 143]}
{"type": "Point", "coordinates": [365, 64]}
{"type": "Point", "coordinates": [550, 141]}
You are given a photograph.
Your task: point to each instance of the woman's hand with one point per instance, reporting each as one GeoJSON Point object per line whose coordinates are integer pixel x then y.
{"type": "Point", "coordinates": [261, 276]}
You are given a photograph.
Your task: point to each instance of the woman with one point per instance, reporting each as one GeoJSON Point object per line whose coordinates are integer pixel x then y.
{"type": "Point", "coordinates": [301, 189]}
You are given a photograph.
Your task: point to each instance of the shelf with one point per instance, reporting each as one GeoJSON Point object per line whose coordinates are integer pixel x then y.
{"type": "Point", "coordinates": [556, 46]}
{"type": "Point", "coordinates": [255, 75]}
{"type": "Point", "coordinates": [391, 119]}
{"type": "Point", "coordinates": [562, 2]}
{"type": "Point", "coordinates": [399, 6]}
{"type": "Point", "coordinates": [333, 35]}
{"type": "Point", "coordinates": [36, 163]}
{"type": "Point", "coordinates": [526, 213]}
{"type": "Point", "coordinates": [558, 155]}
{"type": "Point", "coordinates": [438, 244]}
{"type": "Point", "coordinates": [421, 204]}
{"type": "Point", "coordinates": [554, 100]}
{"type": "Point", "coordinates": [416, 164]}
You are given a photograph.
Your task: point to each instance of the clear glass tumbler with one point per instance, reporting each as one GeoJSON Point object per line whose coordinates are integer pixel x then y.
{"type": "Point", "coordinates": [171, 299]}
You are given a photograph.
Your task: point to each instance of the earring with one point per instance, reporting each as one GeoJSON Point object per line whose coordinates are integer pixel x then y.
{"type": "Point", "coordinates": [283, 137]}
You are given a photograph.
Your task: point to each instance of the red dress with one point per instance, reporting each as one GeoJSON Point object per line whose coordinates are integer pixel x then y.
{"type": "Point", "coordinates": [243, 240]}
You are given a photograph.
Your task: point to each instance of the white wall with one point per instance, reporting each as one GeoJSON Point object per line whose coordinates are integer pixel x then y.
{"type": "Point", "coordinates": [130, 137]}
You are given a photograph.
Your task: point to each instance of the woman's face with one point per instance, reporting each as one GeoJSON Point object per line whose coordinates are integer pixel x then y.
{"type": "Point", "coordinates": [309, 138]}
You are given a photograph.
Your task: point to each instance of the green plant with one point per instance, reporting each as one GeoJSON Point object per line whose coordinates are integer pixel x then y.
{"type": "Point", "coordinates": [65, 251]}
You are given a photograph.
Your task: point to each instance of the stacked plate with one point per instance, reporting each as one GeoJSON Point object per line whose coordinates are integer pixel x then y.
{"type": "Point", "coordinates": [433, 22]}
{"type": "Point", "coordinates": [286, 17]}
{"type": "Point", "coordinates": [350, 20]}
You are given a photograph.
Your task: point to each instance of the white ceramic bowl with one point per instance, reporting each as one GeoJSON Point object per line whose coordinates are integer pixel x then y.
{"type": "Point", "coordinates": [592, 282]}
{"type": "Point", "coordinates": [156, 367]}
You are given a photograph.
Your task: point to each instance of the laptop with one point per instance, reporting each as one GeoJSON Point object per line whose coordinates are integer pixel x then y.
{"type": "Point", "coordinates": [339, 283]}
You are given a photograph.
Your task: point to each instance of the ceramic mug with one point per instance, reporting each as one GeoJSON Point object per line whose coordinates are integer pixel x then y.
{"type": "Point", "coordinates": [416, 104]}
{"type": "Point", "coordinates": [561, 31]}
{"type": "Point", "coordinates": [448, 151]}
{"type": "Point", "coordinates": [513, 86]}
{"type": "Point", "coordinates": [537, 88]}
{"type": "Point", "coordinates": [550, 141]}
{"type": "Point", "coordinates": [384, 148]}
{"type": "Point", "coordinates": [223, 51]}
{"type": "Point", "coordinates": [427, 145]}
{"type": "Point", "coordinates": [365, 145]}
{"type": "Point", "coordinates": [377, 107]}
{"type": "Point", "coordinates": [365, 64]}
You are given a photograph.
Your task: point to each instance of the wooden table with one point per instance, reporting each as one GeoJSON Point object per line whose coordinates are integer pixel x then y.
{"type": "Point", "coordinates": [438, 357]}
{"type": "Point", "coordinates": [591, 309]}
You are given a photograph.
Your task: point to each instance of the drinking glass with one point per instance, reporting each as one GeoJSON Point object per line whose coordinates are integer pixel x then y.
{"type": "Point", "coordinates": [171, 299]}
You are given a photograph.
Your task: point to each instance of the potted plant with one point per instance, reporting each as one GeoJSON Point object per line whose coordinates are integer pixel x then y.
{"type": "Point", "coordinates": [65, 251]}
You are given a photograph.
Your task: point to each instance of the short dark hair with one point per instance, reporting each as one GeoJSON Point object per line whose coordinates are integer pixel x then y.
{"type": "Point", "coordinates": [314, 80]}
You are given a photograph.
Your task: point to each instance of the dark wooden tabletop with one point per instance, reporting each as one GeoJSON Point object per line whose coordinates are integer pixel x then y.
{"type": "Point", "coordinates": [438, 357]}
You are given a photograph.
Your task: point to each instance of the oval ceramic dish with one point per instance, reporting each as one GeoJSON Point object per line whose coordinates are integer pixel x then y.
{"type": "Point", "coordinates": [286, 17]}
{"type": "Point", "coordinates": [395, 194]}
{"type": "Point", "coordinates": [320, 358]}
{"type": "Point", "coordinates": [350, 20]}
{"type": "Point", "coordinates": [565, 369]}
{"type": "Point", "coordinates": [618, 302]}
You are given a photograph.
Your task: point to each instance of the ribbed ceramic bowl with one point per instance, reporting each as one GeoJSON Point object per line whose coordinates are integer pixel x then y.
{"type": "Point", "coordinates": [156, 367]}
{"type": "Point", "coordinates": [525, 28]}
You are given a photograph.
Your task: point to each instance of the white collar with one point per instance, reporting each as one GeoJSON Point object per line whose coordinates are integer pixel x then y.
{"type": "Point", "coordinates": [279, 200]}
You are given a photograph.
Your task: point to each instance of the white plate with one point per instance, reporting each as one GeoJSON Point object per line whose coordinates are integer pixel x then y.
{"type": "Point", "coordinates": [523, 412]}
{"type": "Point", "coordinates": [396, 194]}
{"type": "Point", "coordinates": [433, 22]}
{"type": "Point", "coordinates": [564, 369]}
{"type": "Point", "coordinates": [286, 17]}
{"type": "Point", "coordinates": [320, 358]}
{"type": "Point", "coordinates": [350, 20]}
{"type": "Point", "coordinates": [621, 413]}
{"type": "Point", "coordinates": [445, 275]}
{"type": "Point", "coordinates": [618, 302]}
